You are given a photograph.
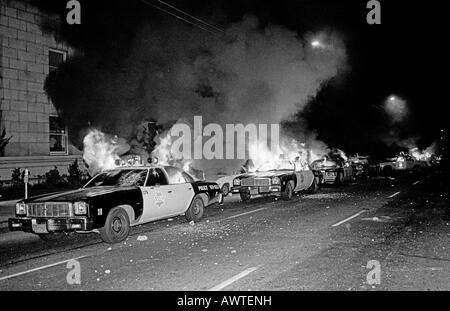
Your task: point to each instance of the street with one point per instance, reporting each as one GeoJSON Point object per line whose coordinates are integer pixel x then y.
{"type": "Point", "coordinates": [321, 241]}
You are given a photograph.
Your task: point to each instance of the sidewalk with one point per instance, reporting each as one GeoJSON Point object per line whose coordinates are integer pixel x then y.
{"type": "Point", "coordinates": [7, 210]}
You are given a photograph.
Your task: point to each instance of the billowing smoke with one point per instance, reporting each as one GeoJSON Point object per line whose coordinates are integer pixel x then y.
{"type": "Point", "coordinates": [249, 75]}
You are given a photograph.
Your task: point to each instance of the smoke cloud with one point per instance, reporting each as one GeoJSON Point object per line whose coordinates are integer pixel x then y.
{"type": "Point", "coordinates": [250, 74]}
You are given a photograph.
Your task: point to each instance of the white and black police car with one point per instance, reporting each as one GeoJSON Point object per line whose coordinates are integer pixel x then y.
{"type": "Point", "coordinates": [115, 200]}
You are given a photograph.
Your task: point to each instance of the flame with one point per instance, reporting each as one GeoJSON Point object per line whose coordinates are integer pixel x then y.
{"type": "Point", "coordinates": [100, 152]}
{"type": "Point", "coordinates": [419, 155]}
{"type": "Point", "coordinates": [163, 152]}
{"type": "Point", "coordinates": [289, 149]}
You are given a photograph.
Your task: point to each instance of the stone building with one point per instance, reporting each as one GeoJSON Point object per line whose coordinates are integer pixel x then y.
{"type": "Point", "coordinates": [27, 54]}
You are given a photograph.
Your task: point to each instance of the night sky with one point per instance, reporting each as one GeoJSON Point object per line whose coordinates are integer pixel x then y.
{"type": "Point", "coordinates": [402, 56]}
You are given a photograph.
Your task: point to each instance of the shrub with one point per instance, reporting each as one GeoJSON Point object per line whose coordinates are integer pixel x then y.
{"type": "Point", "coordinates": [17, 177]}
{"type": "Point", "coordinates": [54, 179]}
{"type": "Point", "coordinates": [76, 176]}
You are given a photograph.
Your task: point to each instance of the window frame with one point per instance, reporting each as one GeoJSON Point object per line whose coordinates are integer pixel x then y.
{"type": "Point", "coordinates": [63, 52]}
{"type": "Point", "coordinates": [66, 135]}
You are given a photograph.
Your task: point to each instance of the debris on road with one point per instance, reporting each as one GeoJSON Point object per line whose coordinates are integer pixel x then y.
{"type": "Point", "coordinates": [142, 238]}
{"type": "Point", "coordinates": [107, 271]}
{"type": "Point", "coordinates": [327, 196]}
{"type": "Point", "coordinates": [192, 223]}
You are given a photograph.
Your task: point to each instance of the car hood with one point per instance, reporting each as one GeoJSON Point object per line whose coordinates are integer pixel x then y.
{"type": "Point", "coordinates": [266, 174]}
{"type": "Point", "coordinates": [76, 195]}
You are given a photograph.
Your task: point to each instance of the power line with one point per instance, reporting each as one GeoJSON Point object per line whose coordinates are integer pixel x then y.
{"type": "Point", "coordinates": [193, 17]}
{"type": "Point", "coordinates": [179, 17]}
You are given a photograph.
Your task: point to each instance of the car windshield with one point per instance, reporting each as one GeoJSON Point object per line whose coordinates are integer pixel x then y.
{"type": "Point", "coordinates": [325, 162]}
{"type": "Point", "coordinates": [119, 178]}
{"type": "Point", "coordinates": [276, 166]}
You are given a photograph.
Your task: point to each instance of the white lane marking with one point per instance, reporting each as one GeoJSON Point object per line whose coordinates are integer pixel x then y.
{"type": "Point", "coordinates": [234, 278]}
{"type": "Point", "coordinates": [246, 213]}
{"type": "Point", "coordinates": [416, 183]}
{"type": "Point", "coordinates": [391, 196]}
{"type": "Point", "coordinates": [39, 268]}
{"type": "Point", "coordinates": [349, 218]}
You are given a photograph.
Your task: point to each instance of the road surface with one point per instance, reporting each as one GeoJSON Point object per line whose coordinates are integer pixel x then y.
{"type": "Point", "coordinates": [332, 240]}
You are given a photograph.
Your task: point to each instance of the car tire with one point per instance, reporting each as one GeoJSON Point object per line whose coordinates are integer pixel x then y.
{"type": "Point", "coordinates": [195, 210]}
{"type": "Point", "coordinates": [245, 196]}
{"type": "Point", "coordinates": [117, 226]}
{"type": "Point", "coordinates": [50, 237]}
{"type": "Point", "coordinates": [288, 192]}
{"type": "Point", "coordinates": [338, 180]}
{"type": "Point", "coordinates": [225, 189]}
{"type": "Point", "coordinates": [315, 185]}
{"type": "Point", "coordinates": [387, 171]}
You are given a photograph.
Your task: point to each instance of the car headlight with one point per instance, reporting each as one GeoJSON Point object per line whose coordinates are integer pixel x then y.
{"type": "Point", "coordinates": [80, 208]}
{"type": "Point", "coordinates": [236, 182]}
{"type": "Point", "coordinates": [276, 180]}
{"type": "Point", "coordinates": [21, 209]}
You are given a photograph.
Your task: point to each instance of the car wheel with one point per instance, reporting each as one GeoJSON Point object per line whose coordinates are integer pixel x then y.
{"type": "Point", "coordinates": [245, 196]}
{"type": "Point", "coordinates": [225, 189]}
{"type": "Point", "coordinates": [195, 210]}
{"type": "Point", "coordinates": [338, 180]}
{"type": "Point", "coordinates": [315, 185]}
{"type": "Point", "coordinates": [387, 171]}
{"type": "Point", "coordinates": [117, 226]}
{"type": "Point", "coordinates": [49, 237]}
{"type": "Point", "coordinates": [288, 192]}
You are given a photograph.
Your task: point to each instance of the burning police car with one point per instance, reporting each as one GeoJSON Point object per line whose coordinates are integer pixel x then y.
{"type": "Point", "coordinates": [282, 178]}
{"type": "Point", "coordinates": [115, 200]}
{"type": "Point", "coordinates": [403, 163]}
{"type": "Point", "coordinates": [332, 171]}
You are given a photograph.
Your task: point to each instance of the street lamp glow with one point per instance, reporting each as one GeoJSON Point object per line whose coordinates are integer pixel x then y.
{"type": "Point", "coordinates": [392, 98]}
{"type": "Point", "coordinates": [316, 43]}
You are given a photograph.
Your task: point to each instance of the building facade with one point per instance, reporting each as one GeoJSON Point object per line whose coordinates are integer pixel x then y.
{"type": "Point", "coordinates": [39, 138]}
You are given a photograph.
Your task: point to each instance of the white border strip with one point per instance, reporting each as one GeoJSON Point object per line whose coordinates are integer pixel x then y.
{"type": "Point", "coordinates": [349, 218]}
{"type": "Point", "coordinates": [234, 278]}
{"type": "Point", "coordinates": [391, 196]}
{"type": "Point", "coordinates": [39, 268]}
{"type": "Point", "coordinates": [246, 213]}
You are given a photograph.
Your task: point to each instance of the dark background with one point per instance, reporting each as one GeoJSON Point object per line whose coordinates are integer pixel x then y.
{"type": "Point", "coordinates": [402, 56]}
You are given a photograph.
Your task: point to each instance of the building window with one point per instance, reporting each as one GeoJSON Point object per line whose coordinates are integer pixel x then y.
{"type": "Point", "coordinates": [55, 59]}
{"type": "Point", "coordinates": [58, 135]}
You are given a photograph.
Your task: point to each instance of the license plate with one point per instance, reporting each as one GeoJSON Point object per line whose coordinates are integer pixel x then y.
{"type": "Point", "coordinates": [253, 191]}
{"type": "Point", "coordinates": [38, 228]}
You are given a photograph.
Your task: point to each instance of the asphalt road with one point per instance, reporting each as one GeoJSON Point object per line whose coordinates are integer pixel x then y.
{"type": "Point", "coordinates": [331, 240]}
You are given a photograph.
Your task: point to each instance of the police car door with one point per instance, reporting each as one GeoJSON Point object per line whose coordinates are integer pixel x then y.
{"type": "Point", "coordinates": [156, 196]}
{"type": "Point", "coordinates": [304, 180]}
{"type": "Point", "coordinates": [181, 192]}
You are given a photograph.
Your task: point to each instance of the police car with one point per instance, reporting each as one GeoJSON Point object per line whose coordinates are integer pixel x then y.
{"type": "Point", "coordinates": [280, 178]}
{"type": "Point", "coordinates": [115, 200]}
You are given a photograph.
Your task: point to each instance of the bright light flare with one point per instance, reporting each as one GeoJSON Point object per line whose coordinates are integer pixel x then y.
{"type": "Point", "coordinates": [316, 43]}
